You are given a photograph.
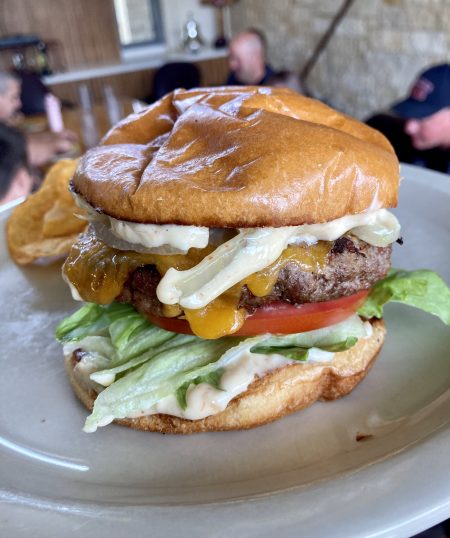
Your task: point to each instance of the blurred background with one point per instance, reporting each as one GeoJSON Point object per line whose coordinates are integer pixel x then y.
{"type": "Point", "coordinates": [69, 70]}
{"type": "Point", "coordinates": [372, 58]}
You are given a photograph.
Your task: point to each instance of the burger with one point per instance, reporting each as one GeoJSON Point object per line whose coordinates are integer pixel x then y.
{"type": "Point", "coordinates": [236, 262]}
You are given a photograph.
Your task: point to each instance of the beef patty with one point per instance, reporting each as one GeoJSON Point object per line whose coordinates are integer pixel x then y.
{"type": "Point", "coordinates": [352, 265]}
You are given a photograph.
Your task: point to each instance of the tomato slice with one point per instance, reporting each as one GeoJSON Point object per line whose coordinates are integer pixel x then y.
{"type": "Point", "coordinates": [282, 318]}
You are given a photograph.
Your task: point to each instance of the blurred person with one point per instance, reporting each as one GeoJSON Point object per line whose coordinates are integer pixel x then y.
{"type": "Point", "coordinates": [287, 79]}
{"type": "Point", "coordinates": [10, 103]}
{"type": "Point", "coordinates": [15, 178]}
{"type": "Point", "coordinates": [247, 59]}
{"type": "Point", "coordinates": [33, 92]}
{"type": "Point", "coordinates": [430, 132]}
{"type": "Point", "coordinates": [43, 147]}
{"type": "Point", "coordinates": [429, 94]}
{"type": "Point", "coordinates": [418, 127]}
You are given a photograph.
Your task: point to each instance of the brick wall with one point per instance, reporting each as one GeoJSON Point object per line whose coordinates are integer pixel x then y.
{"type": "Point", "coordinates": [372, 59]}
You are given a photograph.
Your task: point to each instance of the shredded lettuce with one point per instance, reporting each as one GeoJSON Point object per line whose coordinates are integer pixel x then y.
{"type": "Point", "coordinates": [146, 385]}
{"type": "Point", "coordinates": [423, 289]}
{"type": "Point", "coordinates": [157, 354]}
{"type": "Point", "coordinates": [91, 319]}
{"type": "Point", "coordinates": [140, 364]}
{"type": "Point", "coordinates": [101, 346]}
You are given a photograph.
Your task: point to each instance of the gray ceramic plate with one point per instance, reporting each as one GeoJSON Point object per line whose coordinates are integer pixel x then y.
{"type": "Point", "coordinates": [304, 475]}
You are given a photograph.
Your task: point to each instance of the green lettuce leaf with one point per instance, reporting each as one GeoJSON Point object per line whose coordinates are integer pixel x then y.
{"type": "Point", "coordinates": [349, 342]}
{"type": "Point", "coordinates": [132, 334]}
{"type": "Point", "coordinates": [98, 345]}
{"type": "Point", "coordinates": [333, 338]}
{"type": "Point", "coordinates": [91, 319]}
{"type": "Point", "coordinates": [213, 379]}
{"type": "Point", "coordinates": [146, 385]}
{"type": "Point", "coordinates": [290, 352]}
{"type": "Point", "coordinates": [423, 289]}
{"type": "Point", "coordinates": [297, 353]}
{"type": "Point", "coordinates": [157, 352]}
{"type": "Point", "coordinates": [128, 334]}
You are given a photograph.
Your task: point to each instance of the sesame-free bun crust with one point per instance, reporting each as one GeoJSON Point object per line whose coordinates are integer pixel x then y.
{"type": "Point", "coordinates": [238, 157]}
{"type": "Point", "coordinates": [278, 393]}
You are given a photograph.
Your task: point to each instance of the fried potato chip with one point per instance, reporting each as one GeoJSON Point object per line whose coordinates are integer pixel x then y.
{"type": "Point", "coordinates": [60, 220]}
{"type": "Point", "coordinates": [46, 225]}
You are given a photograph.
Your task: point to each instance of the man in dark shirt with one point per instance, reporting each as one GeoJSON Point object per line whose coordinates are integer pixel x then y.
{"type": "Point", "coordinates": [247, 59]}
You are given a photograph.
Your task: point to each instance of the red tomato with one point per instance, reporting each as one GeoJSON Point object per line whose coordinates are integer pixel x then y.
{"type": "Point", "coordinates": [283, 318]}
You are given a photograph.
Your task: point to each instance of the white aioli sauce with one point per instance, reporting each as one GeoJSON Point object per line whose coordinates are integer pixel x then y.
{"type": "Point", "coordinates": [256, 248]}
{"type": "Point", "coordinates": [147, 236]}
{"type": "Point", "coordinates": [204, 400]}
{"type": "Point", "coordinates": [252, 250]}
{"type": "Point", "coordinates": [154, 235]}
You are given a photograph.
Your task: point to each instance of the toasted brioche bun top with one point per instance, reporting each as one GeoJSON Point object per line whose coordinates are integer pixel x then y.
{"type": "Point", "coordinates": [238, 157]}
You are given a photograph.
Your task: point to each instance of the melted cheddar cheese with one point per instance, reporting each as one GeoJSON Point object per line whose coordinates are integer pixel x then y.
{"type": "Point", "coordinates": [308, 259]}
{"type": "Point", "coordinates": [99, 273]}
{"type": "Point", "coordinates": [223, 316]}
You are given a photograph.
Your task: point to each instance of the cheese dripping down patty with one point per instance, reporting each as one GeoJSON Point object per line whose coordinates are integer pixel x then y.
{"type": "Point", "coordinates": [97, 273]}
{"type": "Point", "coordinates": [197, 283]}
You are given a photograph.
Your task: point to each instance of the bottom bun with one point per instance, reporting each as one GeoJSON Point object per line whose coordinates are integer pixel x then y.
{"type": "Point", "coordinates": [278, 393]}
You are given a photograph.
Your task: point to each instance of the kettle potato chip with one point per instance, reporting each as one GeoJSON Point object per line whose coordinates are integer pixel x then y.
{"type": "Point", "coordinates": [46, 223]}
